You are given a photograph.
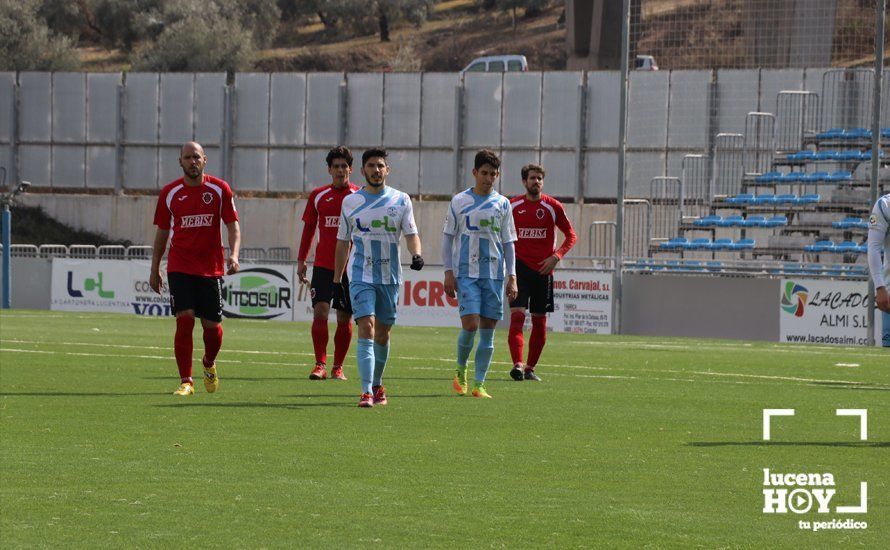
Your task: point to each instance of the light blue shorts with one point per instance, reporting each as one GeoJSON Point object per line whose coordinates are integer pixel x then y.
{"type": "Point", "coordinates": [483, 297]}
{"type": "Point", "coordinates": [374, 299]}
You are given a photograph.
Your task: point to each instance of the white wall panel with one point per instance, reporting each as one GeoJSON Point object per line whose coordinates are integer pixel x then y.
{"type": "Point", "coordinates": [603, 97]}
{"type": "Point", "coordinates": [177, 112]}
{"type": "Point", "coordinates": [251, 108]}
{"type": "Point", "coordinates": [562, 109]}
{"type": "Point", "coordinates": [482, 124]}
{"type": "Point", "coordinates": [401, 109]}
{"type": "Point", "coordinates": [288, 97]}
{"type": "Point", "coordinates": [522, 109]}
{"type": "Point", "coordinates": [141, 113]}
{"type": "Point", "coordinates": [323, 108]}
{"type": "Point", "coordinates": [365, 109]}
{"type": "Point", "coordinates": [69, 108]}
{"type": "Point", "coordinates": [439, 91]}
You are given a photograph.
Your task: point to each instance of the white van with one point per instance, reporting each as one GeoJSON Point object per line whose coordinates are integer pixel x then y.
{"type": "Point", "coordinates": [497, 64]}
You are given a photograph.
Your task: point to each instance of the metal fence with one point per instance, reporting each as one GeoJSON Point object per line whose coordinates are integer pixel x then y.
{"type": "Point", "coordinates": [270, 132]}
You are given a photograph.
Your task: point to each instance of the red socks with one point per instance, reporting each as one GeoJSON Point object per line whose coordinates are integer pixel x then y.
{"type": "Point", "coordinates": [514, 337]}
{"type": "Point", "coordinates": [320, 340]}
{"type": "Point", "coordinates": [342, 338]}
{"type": "Point", "coordinates": [182, 346]}
{"type": "Point", "coordinates": [537, 340]}
{"type": "Point", "coordinates": [212, 342]}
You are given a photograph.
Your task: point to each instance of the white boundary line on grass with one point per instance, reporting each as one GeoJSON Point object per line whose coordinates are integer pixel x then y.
{"type": "Point", "coordinates": [762, 377]}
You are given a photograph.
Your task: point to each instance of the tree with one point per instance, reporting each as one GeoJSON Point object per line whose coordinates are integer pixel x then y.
{"type": "Point", "coordinates": [199, 36]}
{"type": "Point", "coordinates": [28, 44]}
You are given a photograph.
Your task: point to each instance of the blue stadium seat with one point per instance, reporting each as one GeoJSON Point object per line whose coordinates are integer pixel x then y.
{"type": "Point", "coordinates": [852, 154]}
{"type": "Point", "coordinates": [857, 133]}
{"type": "Point", "coordinates": [769, 177]}
{"type": "Point", "coordinates": [755, 221]}
{"type": "Point", "coordinates": [700, 244]}
{"type": "Point", "coordinates": [765, 199]}
{"type": "Point", "coordinates": [777, 221]}
{"type": "Point", "coordinates": [743, 244]}
{"type": "Point", "coordinates": [885, 133]}
{"type": "Point", "coordinates": [849, 223]}
{"type": "Point", "coordinates": [794, 177]}
{"type": "Point", "coordinates": [714, 266]}
{"type": "Point", "coordinates": [815, 177]}
{"type": "Point", "coordinates": [731, 221]}
{"type": "Point", "coordinates": [845, 246]}
{"type": "Point", "coordinates": [722, 244]}
{"type": "Point", "coordinates": [820, 246]}
{"type": "Point", "coordinates": [842, 176]}
{"type": "Point", "coordinates": [707, 221]}
{"type": "Point", "coordinates": [786, 198]}
{"type": "Point", "coordinates": [807, 199]}
{"type": "Point", "coordinates": [831, 133]}
{"type": "Point", "coordinates": [742, 198]}
{"type": "Point", "coordinates": [677, 243]}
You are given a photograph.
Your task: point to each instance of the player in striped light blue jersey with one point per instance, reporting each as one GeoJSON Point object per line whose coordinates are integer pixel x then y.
{"type": "Point", "coordinates": [478, 254]}
{"type": "Point", "coordinates": [373, 220]}
{"type": "Point", "coordinates": [878, 243]}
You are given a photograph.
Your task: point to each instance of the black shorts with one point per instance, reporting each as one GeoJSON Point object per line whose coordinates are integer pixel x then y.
{"type": "Point", "coordinates": [202, 294]}
{"type": "Point", "coordinates": [535, 290]}
{"type": "Point", "coordinates": [323, 289]}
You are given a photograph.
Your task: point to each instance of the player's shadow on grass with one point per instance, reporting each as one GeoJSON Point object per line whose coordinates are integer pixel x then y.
{"type": "Point", "coordinates": [74, 394]}
{"type": "Point", "coordinates": [853, 444]}
{"type": "Point", "coordinates": [849, 386]}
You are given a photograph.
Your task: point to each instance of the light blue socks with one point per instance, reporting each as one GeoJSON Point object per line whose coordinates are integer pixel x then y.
{"type": "Point", "coordinates": [464, 347]}
{"type": "Point", "coordinates": [484, 351]}
{"type": "Point", "coordinates": [364, 352]}
{"type": "Point", "coordinates": [381, 353]}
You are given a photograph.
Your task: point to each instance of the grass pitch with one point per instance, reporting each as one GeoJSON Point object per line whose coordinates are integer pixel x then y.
{"type": "Point", "coordinates": [629, 442]}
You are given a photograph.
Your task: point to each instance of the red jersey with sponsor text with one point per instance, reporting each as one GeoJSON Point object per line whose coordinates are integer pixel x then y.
{"type": "Point", "coordinates": [323, 211]}
{"type": "Point", "coordinates": [535, 226]}
{"type": "Point", "coordinates": [194, 217]}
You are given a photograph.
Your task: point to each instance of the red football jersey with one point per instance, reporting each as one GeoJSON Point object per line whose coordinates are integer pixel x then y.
{"type": "Point", "coordinates": [323, 211]}
{"type": "Point", "coordinates": [192, 215]}
{"type": "Point", "coordinates": [535, 222]}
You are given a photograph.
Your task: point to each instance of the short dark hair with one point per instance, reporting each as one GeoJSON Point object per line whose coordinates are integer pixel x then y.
{"type": "Point", "coordinates": [371, 153]}
{"type": "Point", "coordinates": [484, 157]}
{"type": "Point", "coordinates": [339, 152]}
{"type": "Point", "coordinates": [533, 168]}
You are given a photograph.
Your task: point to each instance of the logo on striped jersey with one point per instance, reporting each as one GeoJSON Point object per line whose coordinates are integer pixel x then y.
{"type": "Point", "coordinates": [491, 222]}
{"type": "Point", "coordinates": [376, 224]}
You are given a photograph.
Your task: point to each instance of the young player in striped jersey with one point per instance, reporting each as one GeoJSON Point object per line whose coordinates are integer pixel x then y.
{"type": "Point", "coordinates": [536, 216]}
{"type": "Point", "coordinates": [477, 251]}
{"type": "Point", "coordinates": [373, 219]}
{"type": "Point", "coordinates": [192, 209]}
{"type": "Point", "coordinates": [879, 238]}
{"type": "Point", "coordinates": [323, 210]}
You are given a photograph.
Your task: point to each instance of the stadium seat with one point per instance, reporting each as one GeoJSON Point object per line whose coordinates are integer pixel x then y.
{"type": "Point", "coordinates": [769, 177]}
{"type": "Point", "coordinates": [721, 244]}
{"type": "Point", "coordinates": [700, 244]}
{"type": "Point", "coordinates": [856, 133]}
{"type": "Point", "coordinates": [861, 248]}
{"type": "Point", "coordinates": [839, 177]}
{"type": "Point", "coordinates": [707, 221]}
{"type": "Point", "coordinates": [852, 154]}
{"type": "Point", "coordinates": [714, 266]}
{"type": "Point", "coordinates": [815, 177]}
{"type": "Point", "coordinates": [885, 133]}
{"type": "Point", "coordinates": [807, 199]}
{"type": "Point", "coordinates": [831, 133]}
{"type": "Point", "coordinates": [743, 244]}
{"type": "Point", "coordinates": [850, 223]}
{"type": "Point", "coordinates": [765, 199]}
{"type": "Point", "coordinates": [731, 221]}
{"type": "Point", "coordinates": [677, 243]}
{"type": "Point", "coordinates": [786, 198]}
{"type": "Point", "coordinates": [845, 246]}
{"type": "Point", "coordinates": [755, 221]}
{"type": "Point", "coordinates": [777, 221]}
{"type": "Point", "coordinates": [793, 177]}
{"type": "Point", "coordinates": [743, 198]}
{"type": "Point", "coordinates": [820, 246]}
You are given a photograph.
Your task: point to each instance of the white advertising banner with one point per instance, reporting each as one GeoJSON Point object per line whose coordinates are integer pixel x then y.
{"type": "Point", "coordinates": [92, 285]}
{"type": "Point", "coordinates": [260, 292]}
{"type": "Point", "coordinates": [583, 301]}
{"type": "Point", "coordinates": [121, 286]}
{"type": "Point", "coordinates": [823, 311]}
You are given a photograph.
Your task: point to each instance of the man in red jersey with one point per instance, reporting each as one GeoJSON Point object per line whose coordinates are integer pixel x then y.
{"type": "Point", "coordinates": [323, 210]}
{"type": "Point", "coordinates": [192, 209]}
{"type": "Point", "coordinates": [535, 215]}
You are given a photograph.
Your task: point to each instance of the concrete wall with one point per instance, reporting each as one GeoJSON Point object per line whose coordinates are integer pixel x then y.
{"type": "Point", "coordinates": [711, 307]}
